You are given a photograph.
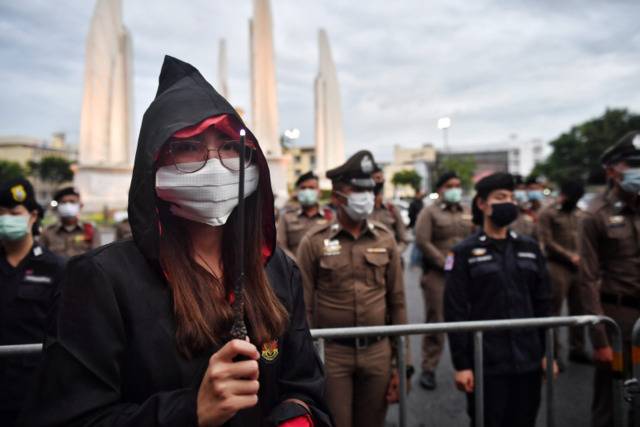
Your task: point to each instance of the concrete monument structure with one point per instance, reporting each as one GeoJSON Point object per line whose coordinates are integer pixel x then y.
{"type": "Point", "coordinates": [328, 113]}
{"type": "Point", "coordinates": [104, 166]}
{"type": "Point", "coordinates": [223, 81]}
{"type": "Point", "coordinates": [264, 99]}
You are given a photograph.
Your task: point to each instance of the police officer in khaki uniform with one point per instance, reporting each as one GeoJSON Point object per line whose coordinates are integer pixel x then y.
{"type": "Point", "coordinates": [292, 225]}
{"type": "Point", "coordinates": [558, 234]}
{"type": "Point", "coordinates": [609, 249]}
{"type": "Point", "coordinates": [439, 228]}
{"type": "Point", "coordinates": [70, 236]}
{"type": "Point", "coordinates": [525, 223]}
{"type": "Point", "coordinates": [352, 277]}
{"type": "Point", "coordinates": [386, 213]}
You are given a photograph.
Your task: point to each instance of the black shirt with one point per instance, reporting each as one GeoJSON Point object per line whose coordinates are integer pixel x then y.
{"type": "Point", "coordinates": [490, 279]}
{"type": "Point", "coordinates": [26, 295]}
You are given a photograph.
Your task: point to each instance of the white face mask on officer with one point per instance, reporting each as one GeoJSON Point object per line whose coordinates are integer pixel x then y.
{"type": "Point", "coordinates": [359, 204]}
{"type": "Point", "coordinates": [208, 195]}
{"type": "Point", "coordinates": [68, 209]}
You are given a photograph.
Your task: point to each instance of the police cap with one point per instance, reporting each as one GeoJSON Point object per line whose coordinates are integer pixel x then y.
{"type": "Point", "coordinates": [355, 171]}
{"type": "Point", "coordinates": [66, 191]}
{"type": "Point", "coordinates": [445, 177]}
{"type": "Point", "coordinates": [16, 192]}
{"type": "Point", "coordinates": [496, 181]}
{"type": "Point", "coordinates": [305, 177]}
{"type": "Point", "coordinates": [627, 148]}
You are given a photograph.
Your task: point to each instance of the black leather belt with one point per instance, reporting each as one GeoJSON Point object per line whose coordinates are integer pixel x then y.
{"type": "Point", "coordinates": [623, 300]}
{"type": "Point", "coordinates": [358, 343]}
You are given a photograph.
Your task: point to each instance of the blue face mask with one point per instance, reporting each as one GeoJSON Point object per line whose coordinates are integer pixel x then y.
{"type": "Point", "coordinates": [13, 227]}
{"type": "Point", "coordinates": [521, 196]}
{"type": "Point", "coordinates": [536, 195]}
{"type": "Point", "coordinates": [631, 181]}
{"type": "Point", "coordinates": [308, 197]}
{"type": "Point", "coordinates": [452, 195]}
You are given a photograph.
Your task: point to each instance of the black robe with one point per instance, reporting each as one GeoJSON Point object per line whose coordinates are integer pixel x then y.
{"type": "Point", "coordinates": [112, 359]}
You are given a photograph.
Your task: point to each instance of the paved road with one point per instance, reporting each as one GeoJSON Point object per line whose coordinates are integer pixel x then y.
{"type": "Point", "coordinates": [447, 407]}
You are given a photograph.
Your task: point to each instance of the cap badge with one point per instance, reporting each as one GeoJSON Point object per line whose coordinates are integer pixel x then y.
{"type": "Point", "coordinates": [18, 193]}
{"type": "Point", "coordinates": [366, 164]}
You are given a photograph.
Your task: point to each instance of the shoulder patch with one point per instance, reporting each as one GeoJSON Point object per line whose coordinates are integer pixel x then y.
{"type": "Point", "coordinates": [449, 262]}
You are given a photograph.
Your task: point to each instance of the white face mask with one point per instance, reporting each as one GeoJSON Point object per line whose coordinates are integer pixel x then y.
{"type": "Point", "coordinates": [359, 205]}
{"type": "Point", "coordinates": [68, 210]}
{"type": "Point", "coordinates": [208, 195]}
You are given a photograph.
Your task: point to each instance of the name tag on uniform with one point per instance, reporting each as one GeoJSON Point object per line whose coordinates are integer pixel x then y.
{"type": "Point", "coordinates": [331, 247]}
{"type": "Point", "coordinates": [478, 259]}
{"type": "Point", "coordinates": [377, 250]}
{"type": "Point", "coordinates": [37, 279]}
{"type": "Point", "coordinates": [529, 255]}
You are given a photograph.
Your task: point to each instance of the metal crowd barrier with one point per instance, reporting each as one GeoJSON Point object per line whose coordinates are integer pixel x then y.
{"type": "Point", "coordinates": [632, 386]}
{"type": "Point", "coordinates": [399, 332]}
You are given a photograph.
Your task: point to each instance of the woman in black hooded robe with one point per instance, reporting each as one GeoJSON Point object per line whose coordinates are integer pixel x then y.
{"type": "Point", "coordinates": [141, 337]}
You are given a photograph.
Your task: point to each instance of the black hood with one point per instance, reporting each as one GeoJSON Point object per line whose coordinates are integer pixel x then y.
{"type": "Point", "coordinates": [184, 99]}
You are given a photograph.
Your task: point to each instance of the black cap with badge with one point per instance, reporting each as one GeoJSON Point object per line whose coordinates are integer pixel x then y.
{"type": "Point", "coordinates": [626, 149]}
{"type": "Point", "coordinates": [16, 192]}
{"type": "Point", "coordinates": [305, 177]}
{"type": "Point", "coordinates": [355, 171]}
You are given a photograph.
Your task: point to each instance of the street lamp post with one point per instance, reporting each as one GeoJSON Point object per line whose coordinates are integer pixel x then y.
{"type": "Point", "coordinates": [444, 123]}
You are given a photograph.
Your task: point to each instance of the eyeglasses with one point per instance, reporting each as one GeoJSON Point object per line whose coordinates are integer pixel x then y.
{"type": "Point", "coordinates": [191, 155]}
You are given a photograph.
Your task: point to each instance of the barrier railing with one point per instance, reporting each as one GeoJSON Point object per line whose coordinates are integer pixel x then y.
{"type": "Point", "coordinates": [399, 332]}
{"type": "Point", "coordinates": [632, 386]}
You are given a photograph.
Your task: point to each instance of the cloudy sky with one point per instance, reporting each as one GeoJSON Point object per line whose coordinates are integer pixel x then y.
{"type": "Point", "coordinates": [497, 68]}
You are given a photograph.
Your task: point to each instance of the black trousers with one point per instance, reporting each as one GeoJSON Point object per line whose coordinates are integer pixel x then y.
{"type": "Point", "coordinates": [509, 400]}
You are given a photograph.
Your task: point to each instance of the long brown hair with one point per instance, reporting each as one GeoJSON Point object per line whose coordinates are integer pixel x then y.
{"type": "Point", "coordinates": [201, 304]}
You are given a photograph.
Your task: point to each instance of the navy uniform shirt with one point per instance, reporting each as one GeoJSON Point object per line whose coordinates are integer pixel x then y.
{"type": "Point", "coordinates": [26, 296]}
{"type": "Point", "coordinates": [490, 279]}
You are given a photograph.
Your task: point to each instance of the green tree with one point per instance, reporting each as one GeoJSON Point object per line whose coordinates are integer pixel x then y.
{"type": "Point", "coordinates": [576, 153]}
{"type": "Point", "coordinates": [10, 170]}
{"type": "Point", "coordinates": [55, 170]}
{"type": "Point", "coordinates": [407, 177]}
{"type": "Point", "coordinates": [464, 166]}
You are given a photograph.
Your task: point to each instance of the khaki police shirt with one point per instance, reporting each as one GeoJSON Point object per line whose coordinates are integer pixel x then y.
{"type": "Point", "coordinates": [525, 225]}
{"type": "Point", "coordinates": [439, 228]}
{"type": "Point", "coordinates": [609, 248]}
{"type": "Point", "coordinates": [558, 233]}
{"type": "Point", "coordinates": [352, 281]}
{"type": "Point", "coordinates": [389, 215]}
{"type": "Point", "coordinates": [67, 243]}
{"type": "Point", "coordinates": [293, 225]}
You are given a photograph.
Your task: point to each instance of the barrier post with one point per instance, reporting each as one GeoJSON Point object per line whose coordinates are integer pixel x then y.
{"type": "Point", "coordinates": [402, 372]}
{"type": "Point", "coordinates": [478, 377]}
{"type": "Point", "coordinates": [549, 376]}
{"type": "Point", "coordinates": [617, 368]}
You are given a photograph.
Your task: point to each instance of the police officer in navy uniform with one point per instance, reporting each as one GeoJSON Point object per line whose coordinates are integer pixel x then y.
{"type": "Point", "coordinates": [29, 276]}
{"type": "Point", "coordinates": [499, 274]}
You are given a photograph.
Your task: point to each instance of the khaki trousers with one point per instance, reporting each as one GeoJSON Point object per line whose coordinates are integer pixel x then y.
{"type": "Point", "coordinates": [565, 285]}
{"type": "Point", "coordinates": [432, 344]}
{"type": "Point", "coordinates": [357, 381]}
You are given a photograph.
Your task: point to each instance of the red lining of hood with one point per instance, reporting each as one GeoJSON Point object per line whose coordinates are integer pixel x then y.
{"type": "Point", "coordinates": [227, 124]}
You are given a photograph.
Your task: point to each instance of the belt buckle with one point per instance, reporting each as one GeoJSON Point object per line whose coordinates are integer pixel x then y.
{"type": "Point", "coordinates": [362, 343]}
